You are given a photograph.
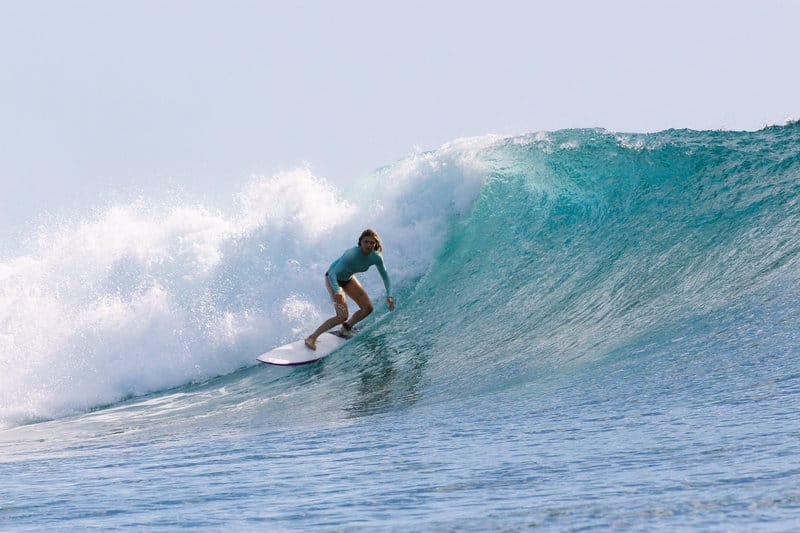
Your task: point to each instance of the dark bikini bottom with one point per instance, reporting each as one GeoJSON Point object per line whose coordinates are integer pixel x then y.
{"type": "Point", "coordinates": [342, 282]}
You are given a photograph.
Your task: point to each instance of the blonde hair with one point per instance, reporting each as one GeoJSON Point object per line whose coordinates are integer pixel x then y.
{"type": "Point", "coordinates": [374, 234]}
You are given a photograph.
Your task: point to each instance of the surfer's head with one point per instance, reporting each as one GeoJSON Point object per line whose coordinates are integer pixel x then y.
{"type": "Point", "coordinates": [371, 234]}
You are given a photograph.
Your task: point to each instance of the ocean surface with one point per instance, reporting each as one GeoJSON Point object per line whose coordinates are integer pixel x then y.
{"type": "Point", "coordinates": [594, 330]}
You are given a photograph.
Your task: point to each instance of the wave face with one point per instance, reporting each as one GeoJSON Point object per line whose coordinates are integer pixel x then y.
{"type": "Point", "coordinates": [585, 244]}
{"type": "Point", "coordinates": [523, 254]}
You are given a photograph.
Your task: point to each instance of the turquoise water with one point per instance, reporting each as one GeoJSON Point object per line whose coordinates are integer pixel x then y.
{"type": "Point", "coordinates": [594, 330]}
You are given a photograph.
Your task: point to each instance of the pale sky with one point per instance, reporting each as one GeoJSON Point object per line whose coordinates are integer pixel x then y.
{"type": "Point", "coordinates": [101, 97]}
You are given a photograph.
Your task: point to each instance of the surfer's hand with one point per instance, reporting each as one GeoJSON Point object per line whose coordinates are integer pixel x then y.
{"type": "Point", "coordinates": [390, 302]}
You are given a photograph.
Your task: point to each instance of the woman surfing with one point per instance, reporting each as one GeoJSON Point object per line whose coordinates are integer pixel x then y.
{"type": "Point", "coordinates": [340, 281]}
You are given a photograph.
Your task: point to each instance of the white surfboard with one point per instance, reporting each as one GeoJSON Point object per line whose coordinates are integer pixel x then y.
{"type": "Point", "coordinates": [297, 353]}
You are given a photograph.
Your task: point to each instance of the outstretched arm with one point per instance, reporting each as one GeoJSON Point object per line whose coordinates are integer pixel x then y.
{"type": "Point", "coordinates": [387, 283]}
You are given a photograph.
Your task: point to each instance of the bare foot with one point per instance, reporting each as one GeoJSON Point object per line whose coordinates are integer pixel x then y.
{"type": "Point", "coordinates": [311, 343]}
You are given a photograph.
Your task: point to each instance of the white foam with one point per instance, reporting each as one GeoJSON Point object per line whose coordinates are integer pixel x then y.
{"type": "Point", "coordinates": [143, 296]}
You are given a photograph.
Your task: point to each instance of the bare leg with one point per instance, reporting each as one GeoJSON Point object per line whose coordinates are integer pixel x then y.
{"type": "Point", "coordinates": [355, 291]}
{"type": "Point", "coordinates": [341, 316]}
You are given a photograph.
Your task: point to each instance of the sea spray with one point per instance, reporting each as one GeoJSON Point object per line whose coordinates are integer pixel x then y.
{"type": "Point", "coordinates": [147, 295]}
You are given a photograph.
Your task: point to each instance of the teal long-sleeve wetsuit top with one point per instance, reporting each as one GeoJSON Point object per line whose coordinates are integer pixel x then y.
{"type": "Point", "coordinates": [353, 261]}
